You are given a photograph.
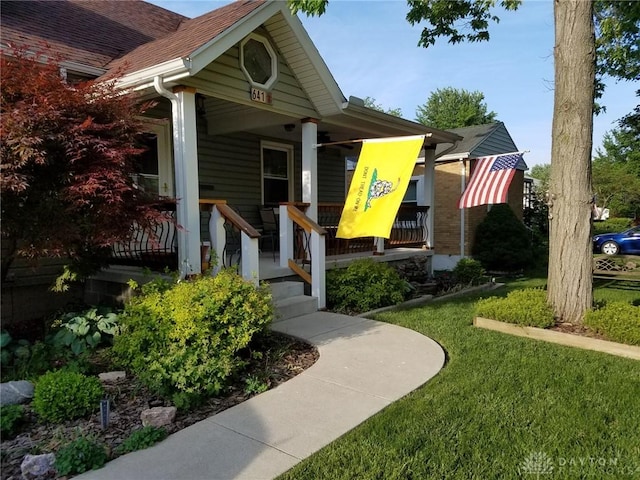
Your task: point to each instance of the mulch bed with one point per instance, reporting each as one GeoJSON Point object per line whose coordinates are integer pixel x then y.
{"type": "Point", "coordinates": [129, 398]}
{"type": "Point", "coordinates": [576, 330]}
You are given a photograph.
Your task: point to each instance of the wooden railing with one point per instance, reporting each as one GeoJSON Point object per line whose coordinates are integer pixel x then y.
{"type": "Point", "coordinates": [409, 229]}
{"type": "Point", "coordinates": [233, 240]}
{"type": "Point", "coordinates": [302, 248]}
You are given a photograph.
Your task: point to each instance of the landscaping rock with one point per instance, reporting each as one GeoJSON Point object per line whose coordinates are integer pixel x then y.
{"type": "Point", "coordinates": [112, 376]}
{"type": "Point", "coordinates": [158, 416]}
{"type": "Point", "coordinates": [12, 393]}
{"type": "Point", "coordinates": [35, 466]}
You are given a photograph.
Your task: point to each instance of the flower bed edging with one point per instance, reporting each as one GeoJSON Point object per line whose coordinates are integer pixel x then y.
{"type": "Point", "coordinates": [561, 338]}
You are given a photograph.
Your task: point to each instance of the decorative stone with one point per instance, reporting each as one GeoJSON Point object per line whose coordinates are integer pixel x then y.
{"type": "Point", "coordinates": [112, 376]}
{"type": "Point", "coordinates": [158, 416]}
{"type": "Point", "coordinates": [12, 393]}
{"type": "Point", "coordinates": [35, 466]}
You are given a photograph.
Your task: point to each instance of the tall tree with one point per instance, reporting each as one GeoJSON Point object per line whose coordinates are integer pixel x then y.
{"type": "Point", "coordinates": [68, 155]}
{"type": "Point", "coordinates": [449, 107]}
{"type": "Point", "coordinates": [541, 173]}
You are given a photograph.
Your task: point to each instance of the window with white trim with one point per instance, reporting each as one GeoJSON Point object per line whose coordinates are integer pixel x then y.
{"type": "Point", "coordinates": [155, 172]}
{"type": "Point", "coordinates": [277, 168]}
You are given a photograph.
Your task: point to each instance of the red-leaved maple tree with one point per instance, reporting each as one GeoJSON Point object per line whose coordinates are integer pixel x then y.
{"type": "Point", "coordinates": [68, 153]}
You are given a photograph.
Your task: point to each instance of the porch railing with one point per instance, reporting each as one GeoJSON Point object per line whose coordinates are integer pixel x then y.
{"type": "Point", "coordinates": [409, 230]}
{"type": "Point", "coordinates": [302, 248]}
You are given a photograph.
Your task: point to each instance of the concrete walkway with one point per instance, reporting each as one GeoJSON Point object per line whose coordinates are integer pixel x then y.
{"type": "Point", "coordinates": [364, 366]}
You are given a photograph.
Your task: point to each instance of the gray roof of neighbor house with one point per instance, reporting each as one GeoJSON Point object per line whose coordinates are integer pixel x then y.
{"type": "Point", "coordinates": [91, 33]}
{"type": "Point", "coordinates": [479, 141]}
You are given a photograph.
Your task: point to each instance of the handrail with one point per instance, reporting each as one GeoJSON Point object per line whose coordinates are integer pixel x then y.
{"type": "Point", "coordinates": [305, 222]}
{"type": "Point", "coordinates": [237, 221]}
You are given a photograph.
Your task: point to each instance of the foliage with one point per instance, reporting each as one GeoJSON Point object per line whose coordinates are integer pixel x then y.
{"type": "Point", "coordinates": [448, 108]}
{"type": "Point", "coordinates": [611, 225]}
{"type": "Point", "coordinates": [20, 359]}
{"type": "Point", "coordinates": [79, 456]}
{"type": "Point", "coordinates": [618, 321]}
{"type": "Point", "coordinates": [617, 30]}
{"type": "Point", "coordinates": [502, 242]}
{"type": "Point", "coordinates": [183, 339]}
{"type": "Point", "coordinates": [68, 154]}
{"type": "Point", "coordinates": [255, 385]}
{"type": "Point", "coordinates": [364, 285]}
{"type": "Point", "coordinates": [522, 307]}
{"type": "Point", "coordinates": [63, 395]}
{"type": "Point", "coordinates": [541, 173]}
{"type": "Point", "coordinates": [370, 102]}
{"type": "Point", "coordinates": [468, 271]}
{"type": "Point", "coordinates": [11, 416]}
{"type": "Point", "coordinates": [85, 331]}
{"type": "Point", "coordinates": [141, 439]}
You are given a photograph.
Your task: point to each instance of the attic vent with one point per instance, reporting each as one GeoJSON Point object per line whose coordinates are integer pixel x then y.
{"type": "Point", "coordinates": [258, 61]}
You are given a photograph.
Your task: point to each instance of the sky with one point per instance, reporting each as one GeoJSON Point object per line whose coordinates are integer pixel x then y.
{"type": "Point", "coordinates": [372, 51]}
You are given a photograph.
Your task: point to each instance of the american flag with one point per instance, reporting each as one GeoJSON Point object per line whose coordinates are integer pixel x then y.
{"type": "Point", "coordinates": [490, 180]}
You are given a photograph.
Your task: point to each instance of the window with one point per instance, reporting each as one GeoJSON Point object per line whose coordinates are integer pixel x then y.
{"type": "Point", "coordinates": [411, 195]}
{"type": "Point", "coordinates": [277, 183]}
{"type": "Point", "coordinates": [155, 173]}
{"type": "Point", "coordinates": [258, 61]}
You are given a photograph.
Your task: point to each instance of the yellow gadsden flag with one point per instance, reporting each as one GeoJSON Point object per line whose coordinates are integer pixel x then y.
{"type": "Point", "coordinates": [378, 186]}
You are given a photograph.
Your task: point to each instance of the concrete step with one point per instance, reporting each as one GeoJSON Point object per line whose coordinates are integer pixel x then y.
{"type": "Point", "coordinates": [295, 307]}
{"type": "Point", "coordinates": [282, 290]}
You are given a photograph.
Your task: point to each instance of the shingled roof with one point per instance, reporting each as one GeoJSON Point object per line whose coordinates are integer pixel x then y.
{"type": "Point", "coordinates": [191, 35]}
{"type": "Point", "coordinates": [92, 33]}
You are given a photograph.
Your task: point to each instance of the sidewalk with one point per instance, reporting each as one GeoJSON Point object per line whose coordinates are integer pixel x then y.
{"type": "Point", "coordinates": [364, 366]}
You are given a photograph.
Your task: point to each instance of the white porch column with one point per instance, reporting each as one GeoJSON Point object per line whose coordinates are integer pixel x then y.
{"type": "Point", "coordinates": [185, 150]}
{"type": "Point", "coordinates": [310, 166]}
{"type": "Point", "coordinates": [429, 190]}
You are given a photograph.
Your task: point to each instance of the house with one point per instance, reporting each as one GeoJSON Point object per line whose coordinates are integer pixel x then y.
{"type": "Point", "coordinates": [455, 228]}
{"type": "Point", "coordinates": [244, 100]}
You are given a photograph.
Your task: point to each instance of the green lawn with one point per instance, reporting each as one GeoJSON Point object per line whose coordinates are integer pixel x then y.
{"type": "Point", "coordinates": [502, 407]}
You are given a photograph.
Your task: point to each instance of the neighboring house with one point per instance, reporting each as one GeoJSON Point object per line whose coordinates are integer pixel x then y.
{"type": "Point", "coordinates": [455, 228]}
{"type": "Point", "coordinates": [243, 98]}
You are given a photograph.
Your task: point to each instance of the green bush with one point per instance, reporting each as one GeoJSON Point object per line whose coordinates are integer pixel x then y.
{"type": "Point", "coordinates": [502, 242]}
{"type": "Point", "coordinates": [468, 271]}
{"type": "Point", "coordinates": [80, 456]}
{"type": "Point", "coordinates": [64, 395]}
{"type": "Point", "coordinates": [611, 225]}
{"type": "Point", "coordinates": [141, 439]}
{"type": "Point", "coordinates": [618, 321]}
{"type": "Point", "coordinates": [11, 417]}
{"type": "Point", "coordinates": [183, 340]}
{"type": "Point", "coordinates": [522, 307]}
{"type": "Point", "coordinates": [20, 359]}
{"type": "Point", "coordinates": [364, 285]}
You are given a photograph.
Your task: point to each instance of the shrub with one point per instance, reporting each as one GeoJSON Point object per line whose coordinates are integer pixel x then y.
{"type": "Point", "coordinates": [141, 439]}
{"type": "Point", "coordinates": [11, 417]}
{"type": "Point", "coordinates": [364, 285]}
{"type": "Point", "coordinates": [618, 321]}
{"type": "Point", "coordinates": [522, 307]}
{"type": "Point", "coordinates": [502, 242]}
{"type": "Point", "coordinates": [64, 395]}
{"type": "Point", "coordinates": [80, 456]}
{"type": "Point", "coordinates": [468, 271]}
{"type": "Point", "coordinates": [183, 340]}
{"type": "Point", "coordinates": [611, 225]}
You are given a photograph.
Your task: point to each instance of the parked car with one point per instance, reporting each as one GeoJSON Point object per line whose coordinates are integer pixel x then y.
{"type": "Point", "coordinates": [626, 243]}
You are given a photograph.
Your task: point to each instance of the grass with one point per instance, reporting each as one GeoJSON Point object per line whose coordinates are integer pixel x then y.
{"type": "Point", "coordinates": [498, 402]}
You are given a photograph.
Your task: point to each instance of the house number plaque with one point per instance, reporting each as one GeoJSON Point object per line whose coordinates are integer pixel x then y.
{"type": "Point", "coordinates": [260, 96]}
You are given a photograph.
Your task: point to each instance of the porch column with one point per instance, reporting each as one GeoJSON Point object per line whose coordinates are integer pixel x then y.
{"type": "Point", "coordinates": [185, 151]}
{"type": "Point", "coordinates": [310, 166]}
{"type": "Point", "coordinates": [429, 190]}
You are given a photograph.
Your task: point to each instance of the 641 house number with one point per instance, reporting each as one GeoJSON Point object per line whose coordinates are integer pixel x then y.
{"type": "Point", "coordinates": [260, 96]}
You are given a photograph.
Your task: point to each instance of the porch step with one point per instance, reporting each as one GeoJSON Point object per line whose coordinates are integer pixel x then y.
{"type": "Point", "coordinates": [282, 290]}
{"type": "Point", "coordinates": [295, 307]}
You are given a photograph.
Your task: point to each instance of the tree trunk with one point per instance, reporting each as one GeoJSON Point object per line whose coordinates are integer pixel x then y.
{"type": "Point", "coordinates": [570, 250]}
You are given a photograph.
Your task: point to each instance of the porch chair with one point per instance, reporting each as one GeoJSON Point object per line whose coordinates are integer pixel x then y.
{"type": "Point", "coordinates": [269, 228]}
